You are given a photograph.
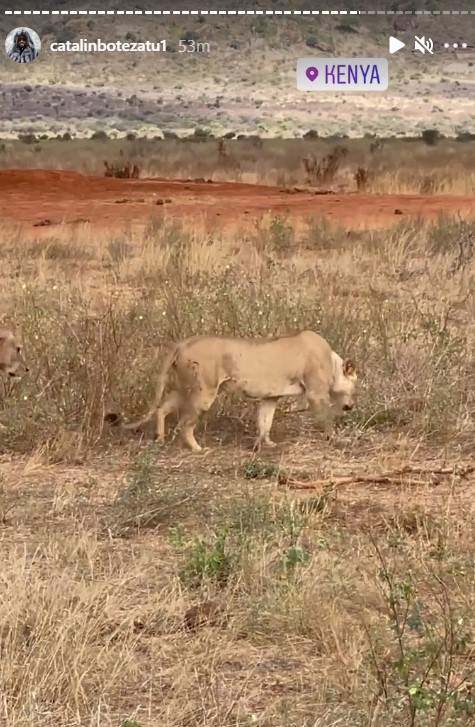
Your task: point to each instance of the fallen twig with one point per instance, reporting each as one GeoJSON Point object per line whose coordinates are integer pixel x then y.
{"type": "Point", "coordinates": [384, 478]}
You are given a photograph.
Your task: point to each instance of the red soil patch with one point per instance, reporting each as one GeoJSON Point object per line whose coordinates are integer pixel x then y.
{"type": "Point", "coordinates": [44, 198]}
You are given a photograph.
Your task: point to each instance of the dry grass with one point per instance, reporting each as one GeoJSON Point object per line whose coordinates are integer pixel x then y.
{"type": "Point", "coordinates": [266, 161]}
{"type": "Point", "coordinates": [349, 607]}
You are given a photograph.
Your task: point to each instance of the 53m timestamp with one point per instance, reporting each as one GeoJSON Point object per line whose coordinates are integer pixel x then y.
{"type": "Point", "coordinates": [193, 46]}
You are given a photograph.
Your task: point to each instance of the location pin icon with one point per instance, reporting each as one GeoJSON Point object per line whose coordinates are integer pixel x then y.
{"type": "Point", "coordinates": [311, 73]}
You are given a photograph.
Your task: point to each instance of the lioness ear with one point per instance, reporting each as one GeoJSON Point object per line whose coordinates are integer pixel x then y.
{"type": "Point", "coordinates": [349, 368]}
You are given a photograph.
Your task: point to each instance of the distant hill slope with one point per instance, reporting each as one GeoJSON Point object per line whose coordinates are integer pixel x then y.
{"type": "Point", "coordinates": [244, 83]}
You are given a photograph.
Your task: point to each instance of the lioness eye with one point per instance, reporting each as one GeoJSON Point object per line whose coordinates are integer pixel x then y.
{"type": "Point", "coordinates": [18, 349]}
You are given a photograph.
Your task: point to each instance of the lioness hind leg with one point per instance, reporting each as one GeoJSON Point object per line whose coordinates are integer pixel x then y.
{"type": "Point", "coordinates": [200, 402]}
{"type": "Point", "coordinates": [171, 403]}
{"type": "Point", "coordinates": [265, 417]}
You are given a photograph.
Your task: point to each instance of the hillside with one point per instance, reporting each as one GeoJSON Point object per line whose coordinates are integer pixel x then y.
{"type": "Point", "coordinates": [244, 83]}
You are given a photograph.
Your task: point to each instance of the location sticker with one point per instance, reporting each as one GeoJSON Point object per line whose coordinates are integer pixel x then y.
{"type": "Point", "coordinates": [342, 74]}
{"type": "Point", "coordinates": [311, 73]}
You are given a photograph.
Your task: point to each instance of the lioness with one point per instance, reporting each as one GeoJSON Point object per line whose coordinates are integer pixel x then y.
{"type": "Point", "coordinates": [11, 359]}
{"type": "Point", "coordinates": [302, 364]}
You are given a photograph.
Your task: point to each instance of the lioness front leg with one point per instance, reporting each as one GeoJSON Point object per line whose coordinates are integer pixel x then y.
{"type": "Point", "coordinates": [265, 417]}
{"type": "Point", "coordinates": [320, 405]}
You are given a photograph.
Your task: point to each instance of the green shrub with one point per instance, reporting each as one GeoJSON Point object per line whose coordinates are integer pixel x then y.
{"type": "Point", "coordinates": [208, 560]}
{"type": "Point", "coordinates": [311, 134]}
{"type": "Point", "coordinates": [258, 470]}
{"type": "Point", "coordinates": [431, 136]}
{"type": "Point", "coordinates": [28, 138]}
{"type": "Point", "coordinates": [201, 134]}
{"type": "Point", "coordinates": [99, 135]}
{"type": "Point", "coordinates": [465, 136]}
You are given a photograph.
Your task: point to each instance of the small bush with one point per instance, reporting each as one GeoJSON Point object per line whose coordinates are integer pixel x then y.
{"type": "Point", "coordinates": [450, 235]}
{"type": "Point", "coordinates": [191, 35]}
{"type": "Point", "coordinates": [295, 556]}
{"type": "Point", "coordinates": [431, 136]}
{"type": "Point", "coordinates": [311, 41]}
{"type": "Point", "coordinates": [465, 136]}
{"type": "Point", "coordinates": [99, 135]}
{"type": "Point", "coordinates": [121, 170]}
{"type": "Point", "coordinates": [208, 560]}
{"type": "Point", "coordinates": [257, 470]}
{"type": "Point", "coordinates": [28, 138]}
{"type": "Point", "coordinates": [346, 28]}
{"type": "Point", "coordinates": [281, 235]}
{"type": "Point", "coordinates": [426, 640]}
{"type": "Point", "coordinates": [201, 134]}
{"type": "Point", "coordinates": [323, 171]}
{"type": "Point", "coordinates": [361, 178]}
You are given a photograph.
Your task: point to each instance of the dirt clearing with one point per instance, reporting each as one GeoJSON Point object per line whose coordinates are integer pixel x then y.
{"type": "Point", "coordinates": [48, 198]}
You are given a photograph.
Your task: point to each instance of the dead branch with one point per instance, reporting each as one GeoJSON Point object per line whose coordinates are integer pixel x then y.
{"type": "Point", "coordinates": [383, 478]}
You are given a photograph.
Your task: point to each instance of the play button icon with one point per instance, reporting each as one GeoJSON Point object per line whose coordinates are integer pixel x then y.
{"type": "Point", "coordinates": [395, 44]}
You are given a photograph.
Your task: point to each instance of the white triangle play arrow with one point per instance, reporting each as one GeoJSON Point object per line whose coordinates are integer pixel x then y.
{"type": "Point", "coordinates": [395, 44]}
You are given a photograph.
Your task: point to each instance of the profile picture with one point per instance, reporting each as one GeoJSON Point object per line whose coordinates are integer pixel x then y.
{"type": "Point", "coordinates": [23, 45]}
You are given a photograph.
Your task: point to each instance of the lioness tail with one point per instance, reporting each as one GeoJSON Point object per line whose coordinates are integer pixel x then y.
{"type": "Point", "coordinates": [167, 363]}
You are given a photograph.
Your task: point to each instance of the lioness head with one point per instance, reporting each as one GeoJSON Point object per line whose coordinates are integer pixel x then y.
{"type": "Point", "coordinates": [343, 387]}
{"type": "Point", "coordinates": [11, 360]}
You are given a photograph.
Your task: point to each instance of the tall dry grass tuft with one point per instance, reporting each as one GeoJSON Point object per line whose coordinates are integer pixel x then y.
{"type": "Point", "coordinates": [66, 639]}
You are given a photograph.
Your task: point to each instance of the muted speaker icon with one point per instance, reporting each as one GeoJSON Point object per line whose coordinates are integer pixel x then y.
{"type": "Point", "coordinates": [423, 45]}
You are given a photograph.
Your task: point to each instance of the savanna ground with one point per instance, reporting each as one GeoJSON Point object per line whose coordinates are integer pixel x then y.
{"type": "Point", "coordinates": [49, 184]}
{"type": "Point", "coordinates": [324, 583]}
